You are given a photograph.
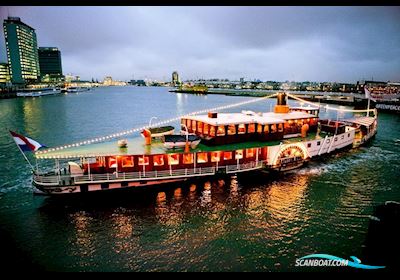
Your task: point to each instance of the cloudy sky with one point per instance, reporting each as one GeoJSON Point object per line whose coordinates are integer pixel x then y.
{"type": "Point", "coordinates": [342, 44]}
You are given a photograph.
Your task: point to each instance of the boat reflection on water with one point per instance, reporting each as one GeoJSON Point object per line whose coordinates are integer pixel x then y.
{"type": "Point", "coordinates": [83, 240]}
{"type": "Point", "coordinates": [172, 224]}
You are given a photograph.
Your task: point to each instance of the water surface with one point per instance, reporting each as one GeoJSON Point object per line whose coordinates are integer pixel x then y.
{"type": "Point", "coordinates": [246, 223]}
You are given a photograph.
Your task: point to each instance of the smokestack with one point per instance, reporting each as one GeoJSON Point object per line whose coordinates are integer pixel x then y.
{"type": "Point", "coordinates": [281, 98]}
{"type": "Point", "coordinates": [281, 107]}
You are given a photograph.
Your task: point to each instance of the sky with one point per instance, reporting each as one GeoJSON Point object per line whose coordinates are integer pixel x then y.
{"type": "Point", "coordinates": [337, 44]}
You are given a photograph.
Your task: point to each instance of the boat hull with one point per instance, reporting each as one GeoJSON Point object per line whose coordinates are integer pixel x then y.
{"type": "Point", "coordinates": [92, 187]}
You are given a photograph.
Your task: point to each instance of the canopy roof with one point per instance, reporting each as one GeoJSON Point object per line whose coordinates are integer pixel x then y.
{"type": "Point", "coordinates": [366, 121]}
{"type": "Point", "coordinates": [246, 117]}
{"type": "Point", "coordinates": [136, 146]}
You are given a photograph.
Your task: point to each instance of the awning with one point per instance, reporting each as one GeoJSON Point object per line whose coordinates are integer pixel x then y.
{"type": "Point", "coordinates": [366, 121]}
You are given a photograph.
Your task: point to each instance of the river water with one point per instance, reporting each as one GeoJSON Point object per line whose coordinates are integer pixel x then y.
{"type": "Point", "coordinates": [246, 223]}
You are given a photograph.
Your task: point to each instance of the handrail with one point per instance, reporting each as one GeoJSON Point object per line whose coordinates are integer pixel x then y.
{"type": "Point", "coordinates": [128, 176]}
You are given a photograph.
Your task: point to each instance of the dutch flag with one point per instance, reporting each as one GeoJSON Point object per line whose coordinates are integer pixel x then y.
{"type": "Point", "coordinates": [25, 143]}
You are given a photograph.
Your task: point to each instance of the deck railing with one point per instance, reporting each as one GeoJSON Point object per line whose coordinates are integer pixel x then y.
{"type": "Point", "coordinates": [51, 180]}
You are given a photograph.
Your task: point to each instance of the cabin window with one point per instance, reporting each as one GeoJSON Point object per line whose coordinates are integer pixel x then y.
{"type": "Point", "coordinates": [348, 135]}
{"type": "Point", "coordinates": [249, 153]}
{"type": "Point", "coordinates": [205, 128]}
{"type": "Point", "coordinates": [215, 156]}
{"type": "Point", "coordinates": [112, 162]}
{"type": "Point", "coordinates": [342, 137]}
{"type": "Point", "coordinates": [173, 159]}
{"type": "Point", "coordinates": [318, 143]}
{"type": "Point", "coordinates": [127, 161]}
{"type": "Point", "coordinates": [335, 138]}
{"type": "Point", "coordinates": [193, 125]}
{"type": "Point", "coordinates": [212, 131]}
{"type": "Point", "coordinates": [227, 155]}
{"type": "Point", "coordinates": [280, 127]}
{"type": "Point", "coordinates": [144, 160]}
{"type": "Point", "coordinates": [200, 127]}
{"type": "Point", "coordinates": [309, 145]}
{"type": "Point", "coordinates": [187, 158]}
{"type": "Point", "coordinates": [231, 129]}
{"type": "Point", "coordinates": [221, 130]}
{"type": "Point", "coordinates": [259, 128]}
{"type": "Point", "coordinates": [158, 160]}
{"type": "Point", "coordinates": [266, 128]}
{"type": "Point", "coordinates": [242, 128]}
{"type": "Point", "coordinates": [189, 124]}
{"type": "Point", "coordinates": [273, 128]}
{"type": "Point", "coordinates": [100, 161]}
{"type": "Point", "coordinates": [239, 154]}
{"type": "Point", "coordinates": [202, 157]}
{"type": "Point", "coordinates": [251, 128]}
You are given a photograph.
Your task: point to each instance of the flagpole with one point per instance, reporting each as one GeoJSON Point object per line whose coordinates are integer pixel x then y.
{"type": "Point", "coordinates": [27, 160]}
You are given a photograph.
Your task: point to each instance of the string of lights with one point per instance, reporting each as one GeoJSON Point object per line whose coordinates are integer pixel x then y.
{"type": "Point", "coordinates": [131, 131]}
{"type": "Point", "coordinates": [328, 107]}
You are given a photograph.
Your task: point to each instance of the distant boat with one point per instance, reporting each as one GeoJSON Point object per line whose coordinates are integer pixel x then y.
{"type": "Point", "coordinates": [77, 89]}
{"type": "Point", "coordinates": [38, 92]}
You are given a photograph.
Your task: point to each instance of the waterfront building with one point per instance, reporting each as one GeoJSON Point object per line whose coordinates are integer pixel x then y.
{"type": "Point", "coordinates": [50, 64]}
{"type": "Point", "coordinates": [5, 77]}
{"type": "Point", "coordinates": [22, 54]}
{"type": "Point", "coordinates": [70, 78]}
{"type": "Point", "coordinates": [175, 78]}
{"type": "Point", "coordinates": [108, 81]}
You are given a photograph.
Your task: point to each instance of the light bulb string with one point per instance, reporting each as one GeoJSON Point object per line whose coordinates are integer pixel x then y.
{"type": "Point", "coordinates": [131, 131]}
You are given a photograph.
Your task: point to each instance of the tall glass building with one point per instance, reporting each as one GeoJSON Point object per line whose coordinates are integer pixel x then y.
{"type": "Point", "coordinates": [22, 54]}
{"type": "Point", "coordinates": [5, 77]}
{"type": "Point", "coordinates": [50, 64]}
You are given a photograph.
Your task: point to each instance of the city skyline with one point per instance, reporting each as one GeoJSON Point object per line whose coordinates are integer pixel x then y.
{"type": "Point", "coordinates": [342, 44]}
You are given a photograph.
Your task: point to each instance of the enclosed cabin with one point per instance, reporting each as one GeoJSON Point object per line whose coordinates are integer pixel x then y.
{"type": "Point", "coordinates": [364, 126]}
{"type": "Point", "coordinates": [226, 128]}
{"type": "Point", "coordinates": [333, 127]}
{"type": "Point", "coordinates": [169, 164]}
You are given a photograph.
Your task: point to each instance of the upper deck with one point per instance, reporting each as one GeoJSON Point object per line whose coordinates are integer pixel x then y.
{"type": "Point", "coordinates": [136, 146]}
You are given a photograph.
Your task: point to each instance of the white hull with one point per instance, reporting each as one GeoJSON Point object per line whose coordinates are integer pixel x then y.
{"type": "Point", "coordinates": [71, 90]}
{"type": "Point", "coordinates": [37, 94]}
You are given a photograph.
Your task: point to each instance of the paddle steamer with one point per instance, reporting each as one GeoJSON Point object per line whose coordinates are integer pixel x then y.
{"type": "Point", "coordinates": [281, 140]}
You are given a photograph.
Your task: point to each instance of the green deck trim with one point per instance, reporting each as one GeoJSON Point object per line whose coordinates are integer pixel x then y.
{"type": "Point", "coordinates": [136, 146]}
